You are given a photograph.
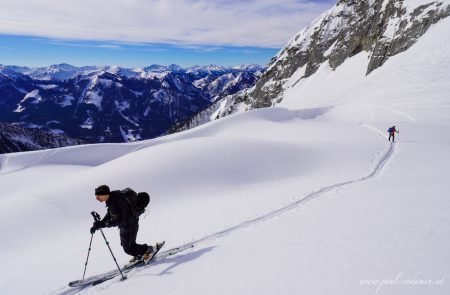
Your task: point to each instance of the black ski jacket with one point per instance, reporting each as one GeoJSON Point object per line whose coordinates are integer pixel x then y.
{"type": "Point", "coordinates": [119, 211]}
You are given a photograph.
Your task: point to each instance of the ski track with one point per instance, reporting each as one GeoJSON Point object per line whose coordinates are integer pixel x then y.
{"type": "Point", "coordinates": [375, 171]}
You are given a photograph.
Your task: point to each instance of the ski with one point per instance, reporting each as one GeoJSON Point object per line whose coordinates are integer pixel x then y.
{"type": "Point", "coordinates": [94, 280]}
{"type": "Point", "coordinates": [173, 251]}
{"type": "Point", "coordinates": [100, 278]}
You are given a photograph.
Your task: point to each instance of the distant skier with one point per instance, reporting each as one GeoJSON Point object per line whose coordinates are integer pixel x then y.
{"type": "Point", "coordinates": [392, 132]}
{"type": "Point", "coordinates": [121, 214]}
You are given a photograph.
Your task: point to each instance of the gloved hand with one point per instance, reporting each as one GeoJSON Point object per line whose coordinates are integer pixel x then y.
{"type": "Point", "coordinates": [97, 225]}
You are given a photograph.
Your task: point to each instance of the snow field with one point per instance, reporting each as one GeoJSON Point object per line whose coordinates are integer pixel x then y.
{"type": "Point", "coordinates": [200, 185]}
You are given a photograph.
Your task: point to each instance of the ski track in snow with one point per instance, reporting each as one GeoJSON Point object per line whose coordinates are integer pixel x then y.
{"type": "Point", "coordinates": [375, 171]}
{"type": "Point", "coordinates": [377, 168]}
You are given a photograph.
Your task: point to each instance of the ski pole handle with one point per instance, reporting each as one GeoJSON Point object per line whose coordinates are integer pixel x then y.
{"type": "Point", "coordinates": [95, 215]}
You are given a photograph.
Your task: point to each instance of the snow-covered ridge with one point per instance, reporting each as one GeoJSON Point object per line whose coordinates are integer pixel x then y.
{"type": "Point", "coordinates": [35, 99]}
{"type": "Point", "coordinates": [66, 71]}
{"type": "Point", "coordinates": [383, 28]}
{"type": "Point", "coordinates": [329, 23]}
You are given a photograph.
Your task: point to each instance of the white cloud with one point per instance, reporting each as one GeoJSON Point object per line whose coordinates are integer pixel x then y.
{"type": "Point", "coordinates": [64, 43]}
{"type": "Point", "coordinates": [265, 23]}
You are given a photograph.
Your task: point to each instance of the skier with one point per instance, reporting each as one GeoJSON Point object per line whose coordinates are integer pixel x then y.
{"type": "Point", "coordinates": [119, 214]}
{"type": "Point", "coordinates": [392, 132]}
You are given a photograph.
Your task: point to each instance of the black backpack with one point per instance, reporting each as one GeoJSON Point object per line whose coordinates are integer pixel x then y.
{"type": "Point", "coordinates": [137, 201]}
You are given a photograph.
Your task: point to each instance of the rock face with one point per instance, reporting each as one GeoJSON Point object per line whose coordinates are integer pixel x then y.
{"type": "Point", "coordinates": [403, 31]}
{"type": "Point", "coordinates": [383, 28]}
{"type": "Point", "coordinates": [112, 104]}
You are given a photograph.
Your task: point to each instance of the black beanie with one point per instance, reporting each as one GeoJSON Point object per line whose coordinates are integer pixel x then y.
{"type": "Point", "coordinates": [102, 190]}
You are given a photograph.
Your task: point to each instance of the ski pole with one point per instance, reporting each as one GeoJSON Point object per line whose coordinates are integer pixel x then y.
{"type": "Point", "coordinates": [87, 258]}
{"type": "Point", "coordinates": [97, 218]}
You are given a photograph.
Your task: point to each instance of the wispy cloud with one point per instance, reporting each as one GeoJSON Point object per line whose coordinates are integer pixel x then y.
{"type": "Point", "coordinates": [85, 45]}
{"type": "Point", "coordinates": [108, 46]}
{"type": "Point", "coordinates": [260, 23]}
{"type": "Point", "coordinates": [200, 48]}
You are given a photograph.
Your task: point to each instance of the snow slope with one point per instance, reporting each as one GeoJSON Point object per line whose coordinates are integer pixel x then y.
{"type": "Point", "coordinates": [305, 198]}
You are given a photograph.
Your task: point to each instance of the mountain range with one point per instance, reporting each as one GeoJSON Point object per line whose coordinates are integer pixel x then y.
{"type": "Point", "coordinates": [110, 103]}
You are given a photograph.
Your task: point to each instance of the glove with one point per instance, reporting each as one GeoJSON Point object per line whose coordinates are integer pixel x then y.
{"type": "Point", "coordinates": [97, 225]}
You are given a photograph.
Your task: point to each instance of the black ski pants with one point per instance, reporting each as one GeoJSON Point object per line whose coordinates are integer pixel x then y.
{"type": "Point", "coordinates": [128, 234]}
{"type": "Point", "coordinates": [392, 135]}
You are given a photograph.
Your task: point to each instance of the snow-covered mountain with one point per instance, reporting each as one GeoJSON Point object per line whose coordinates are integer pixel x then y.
{"type": "Point", "coordinates": [63, 71]}
{"type": "Point", "coordinates": [307, 197]}
{"type": "Point", "coordinates": [380, 28]}
{"type": "Point", "coordinates": [113, 104]}
{"type": "Point", "coordinates": [54, 72]}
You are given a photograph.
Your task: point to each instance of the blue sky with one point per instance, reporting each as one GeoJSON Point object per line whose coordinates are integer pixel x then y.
{"type": "Point", "coordinates": [136, 33]}
{"type": "Point", "coordinates": [36, 52]}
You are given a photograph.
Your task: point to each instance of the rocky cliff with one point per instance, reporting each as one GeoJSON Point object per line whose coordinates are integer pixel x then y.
{"type": "Point", "coordinates": [382, 28]}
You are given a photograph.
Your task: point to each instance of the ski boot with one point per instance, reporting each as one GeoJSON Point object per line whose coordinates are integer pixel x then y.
{"type": "Point", "coordinates": [151, 252]}
{"type": "Point", "coordinates": [135, 259]}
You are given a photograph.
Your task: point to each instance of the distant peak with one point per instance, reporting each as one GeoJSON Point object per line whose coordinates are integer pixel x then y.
{"type": "Point", "coordinates": [63, 66]}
